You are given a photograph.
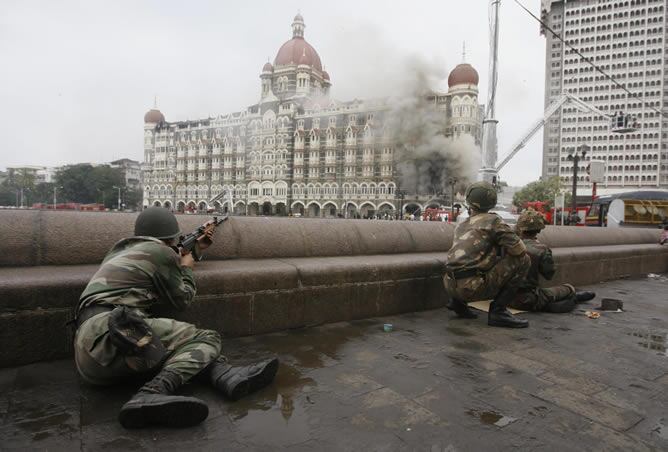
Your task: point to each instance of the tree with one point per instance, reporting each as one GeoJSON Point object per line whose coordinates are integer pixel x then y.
{"type": "Point", "coordinates": [19, 181]}
{"type": "Point", "coordinates": [133, 198]}
{"type": "Point", "coordinates": [544, 190]}
{"type": "Point", "coordinates": [85, 183]}
{"type": "Point", "coordinates": [43, 193]}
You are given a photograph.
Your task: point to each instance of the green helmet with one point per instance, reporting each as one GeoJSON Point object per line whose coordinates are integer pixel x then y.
{"type": "Point", "coordinates": [530, 220]}
{"type": "Point", "coordinates": [157, 222]}
{"type": "Point", "coordinates": [481, 195]}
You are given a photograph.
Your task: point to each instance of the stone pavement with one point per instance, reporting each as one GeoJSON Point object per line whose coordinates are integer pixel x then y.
{"type": "Point", "coordinates": [435, 383]}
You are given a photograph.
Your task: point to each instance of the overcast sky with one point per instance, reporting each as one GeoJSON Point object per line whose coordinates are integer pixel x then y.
{"type": "Point", "coordinates": [77, 77]}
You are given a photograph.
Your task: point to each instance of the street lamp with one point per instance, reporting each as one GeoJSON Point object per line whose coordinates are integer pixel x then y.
{"type": "Point", "coordinates": [54, 196]}
{"type": "Point", "coordinates": [575, 158]}
{"type": "Point", "coordinates": [452, 182]}
{"type": "Point", "coordinates": [119, 197]}
{"type": "Point", "coordinates": [400, 196]}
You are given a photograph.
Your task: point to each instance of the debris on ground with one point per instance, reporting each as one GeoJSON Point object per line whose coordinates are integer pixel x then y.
{"type": "Point", "coordinates": [593, 314]}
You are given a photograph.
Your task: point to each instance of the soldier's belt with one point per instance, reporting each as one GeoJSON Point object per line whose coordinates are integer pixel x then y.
{"type": "Point", "coordinates": [91, 311]}
{"type": "Point", "coordinates": [465, 273]}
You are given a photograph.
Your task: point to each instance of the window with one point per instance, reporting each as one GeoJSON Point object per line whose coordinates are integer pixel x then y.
{"type": "Point", "coordinates": [266, 191]}
{"type": "Point", "coordinates": [254, 191]}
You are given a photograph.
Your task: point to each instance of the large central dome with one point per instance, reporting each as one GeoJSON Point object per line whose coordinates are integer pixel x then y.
{"type": "Point", "coordinates": [297, 50]}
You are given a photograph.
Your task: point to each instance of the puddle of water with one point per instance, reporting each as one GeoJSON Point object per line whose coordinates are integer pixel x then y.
{"type": "Point", "coordinates": [471, 345]}
{"type": "Point", "coordinates": [43, 421]}
{"type": "Point", "coordinates": [652, 340]}
{"type": "Point", "coordinates": [276, 416]}
{"type": "Point", "coordinates": [313, 349]}
{"type": "Point", "coordinates": [491, 418]}
{"type": "Point", "coordinates": [458, 331]}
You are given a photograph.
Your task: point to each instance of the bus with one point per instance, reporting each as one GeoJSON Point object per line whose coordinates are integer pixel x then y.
{"type": "Point", "coordinates": [629, 209]}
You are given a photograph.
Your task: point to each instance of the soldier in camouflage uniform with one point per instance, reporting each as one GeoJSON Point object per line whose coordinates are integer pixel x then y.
{"type": "Point", "coordinates": [117, 338]}
{"type": "Point", "coordinates": [531, 297]}
{"type": "Point", "coordinates": [487, 260]}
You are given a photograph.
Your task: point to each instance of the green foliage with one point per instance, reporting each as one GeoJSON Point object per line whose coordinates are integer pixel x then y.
{"type": "Point", "coordinates": [133, 198]}
{"type": "Point", "coordinates": [86, 184]}
{"type": "Point", "coordinates": [17, 181]}
{"type": "Point", "coordinates": [43, 193]}
{"type": "Point", "coordinates": [541, 190]}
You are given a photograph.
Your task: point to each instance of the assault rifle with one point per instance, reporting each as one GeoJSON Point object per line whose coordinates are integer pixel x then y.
{"type": "Point", "coordinates": [187, 242]}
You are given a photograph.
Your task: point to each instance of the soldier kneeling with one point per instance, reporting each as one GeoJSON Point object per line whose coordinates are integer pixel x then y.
{"type": "Point", "coordinates": [487, 260]}
{"type": "Point", "coordinates": [117, 338]}
{"type": "Point", "coordinates": [531, 297]}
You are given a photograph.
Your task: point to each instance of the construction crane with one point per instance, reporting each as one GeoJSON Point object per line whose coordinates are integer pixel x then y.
{"type": "Point", "coordinates": [619, 122]}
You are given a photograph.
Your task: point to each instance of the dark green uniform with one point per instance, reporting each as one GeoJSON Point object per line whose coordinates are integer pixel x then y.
{"type": "Point", "coordinates": [139, 273]}
{"type": "Point", "coordinates": [531, 297]}
{"type": "Point", "coordinates": [487, 247]}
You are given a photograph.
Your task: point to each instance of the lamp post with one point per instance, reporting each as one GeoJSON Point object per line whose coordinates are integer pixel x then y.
{"type": "Point", "coordinates": [55, 204]}
{"type": "Point", "coordinates": [119, 197]}
{"type": "Point", "coordinates": [452, 182]}
{"type": "Point", "coordinates": [575, 158]}
{"type": "Point", "coordinates": [400, 196]}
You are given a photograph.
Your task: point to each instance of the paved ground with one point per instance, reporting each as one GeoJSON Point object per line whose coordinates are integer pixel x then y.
{"type": "Point", "coordinates": [434, 383]}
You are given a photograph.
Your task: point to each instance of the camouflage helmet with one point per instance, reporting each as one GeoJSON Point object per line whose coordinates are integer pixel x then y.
{"type": "Point", "coordinates": [157, 222]}
{"type": "Point", "coordinates": [530, 220]}
{"type": "Point", "coordinates": [481, 195]}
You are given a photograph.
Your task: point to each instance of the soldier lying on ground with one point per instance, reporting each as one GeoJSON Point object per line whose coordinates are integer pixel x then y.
{"type": "Point", "coordinates": [531, 297]}
{"type": "Point", "coordinates": [117, 338]}
{"type": "Point", "coordinates": [487, 260]}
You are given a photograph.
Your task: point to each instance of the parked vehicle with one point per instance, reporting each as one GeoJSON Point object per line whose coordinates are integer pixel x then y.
{"type": "Point", "coordinates": [629, 209]}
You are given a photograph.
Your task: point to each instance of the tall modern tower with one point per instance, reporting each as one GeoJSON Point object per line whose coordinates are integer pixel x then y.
{"type": "Point", "coordinates": [626, 39]}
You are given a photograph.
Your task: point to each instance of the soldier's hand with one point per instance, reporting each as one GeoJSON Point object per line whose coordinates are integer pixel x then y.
{"type": "Point", "coordinates": [207, 239]}
{"type": "Point", "coordinates": [187, 260]}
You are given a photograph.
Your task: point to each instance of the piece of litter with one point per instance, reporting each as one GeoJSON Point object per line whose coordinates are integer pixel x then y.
{"type": "Point", "coordinates": [593, 314]}
{"type": "Point", "coordinates": [408, 429]}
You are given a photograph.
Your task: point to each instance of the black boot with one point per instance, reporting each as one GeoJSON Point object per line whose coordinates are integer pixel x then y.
{"type": "Point", "coordinates": [562, 306]}
{"type": "Point", "coordinates": [461, 309]}
{"type": "Point", "coordinates": [154, 406]}
{"type": "Point", "coordinates": [236, 382]}
{"type": "Point", "coordinates": [582, 296]}
{"type": "Point", "coordinates": [500, 316]}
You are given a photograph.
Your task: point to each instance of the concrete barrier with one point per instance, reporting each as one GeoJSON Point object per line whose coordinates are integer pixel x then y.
{"type": "Point", "coordinates": [267, 274]}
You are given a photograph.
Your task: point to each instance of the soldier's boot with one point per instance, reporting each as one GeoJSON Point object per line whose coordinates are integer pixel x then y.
{"type": "Point", "coordinates": [153, 405]}
{"type": "Point", "coordinates": [584, 295]}
{"type": "Point", "coordinates": [499, 315]}
{"type": "Point", "coordinates": [461, 309]}
{"type": "Point", "coordinates": [561, 306]}
{"type": "Point", "coordinates": [237, 382]}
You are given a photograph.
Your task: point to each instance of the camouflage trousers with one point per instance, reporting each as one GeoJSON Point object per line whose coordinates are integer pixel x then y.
{"type": "Point", "coordinates": [538, 298]}
{"type": "Point", "coordinates": [509, 271]}
{"type": "Point", "coordinates": [188, 351]}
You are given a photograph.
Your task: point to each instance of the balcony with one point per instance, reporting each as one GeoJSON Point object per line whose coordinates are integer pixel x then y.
{"type": "Point", "coordinates": [215, 165]}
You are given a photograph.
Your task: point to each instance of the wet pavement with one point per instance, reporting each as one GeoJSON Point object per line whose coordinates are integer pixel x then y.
{"type": "Point", "coordinates": [433, 383]}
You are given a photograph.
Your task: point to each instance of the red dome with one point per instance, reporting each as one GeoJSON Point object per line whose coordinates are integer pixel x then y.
{"type": "Point", "coordinates": [463, 74]}
{"type": "Point", "coordinates": [154, 116]}
{"type": "Point", "coordinates": [298, 51]}
{"type": "Point", "coordinates": [267, 67]}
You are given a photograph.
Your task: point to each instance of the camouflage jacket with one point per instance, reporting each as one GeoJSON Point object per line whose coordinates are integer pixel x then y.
{"type": "Point", "coordinates": [479, 241]}
{"type": "Point", "coordinates": [140, 272]}
{"type": "Point", "coordinates": [542, 263]}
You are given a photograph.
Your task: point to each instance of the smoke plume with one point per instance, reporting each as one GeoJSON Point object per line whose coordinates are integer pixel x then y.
{"type": "Point", "coordinates": [426, 158]}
